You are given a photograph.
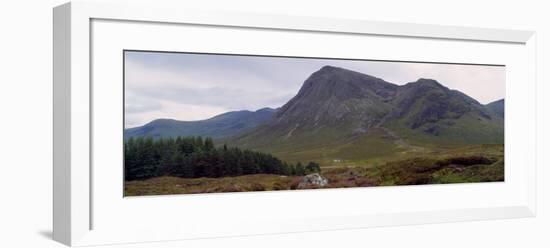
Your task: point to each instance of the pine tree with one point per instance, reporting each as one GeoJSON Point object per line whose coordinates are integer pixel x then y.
{"type": "Point", "coordinates": [313, 167]}
{"type": "Point", "coordinates": [208, 144]}
{"type": "Point", "coordinates": [300, 170]}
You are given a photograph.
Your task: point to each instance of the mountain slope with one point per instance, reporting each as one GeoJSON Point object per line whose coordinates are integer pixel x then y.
{"type": "Point", "coordinates": [333, 104]}
{"type": "Point", "coordinates": [441, 115]}
{"type": "Point", "coordinates": [220, 126]}
{"type": "Point", "coordinates": [497, 107]}
{"type": "Point", "coordinates": [340, 113]}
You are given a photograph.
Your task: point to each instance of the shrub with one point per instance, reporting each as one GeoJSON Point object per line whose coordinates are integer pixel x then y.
{"type": "Point", "coordinates": [256, 187]}
{"type": "Point", "coordinates": [279, 186]}
{"type": "Point", "coordinates": [467, 160]}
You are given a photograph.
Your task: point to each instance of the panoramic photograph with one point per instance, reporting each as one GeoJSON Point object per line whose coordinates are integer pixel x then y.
{"type": "Point", "coordinates": [214, 123]}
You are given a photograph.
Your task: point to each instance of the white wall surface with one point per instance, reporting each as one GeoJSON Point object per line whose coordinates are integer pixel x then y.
{"type": "Point", "coordinates": [26, 123]}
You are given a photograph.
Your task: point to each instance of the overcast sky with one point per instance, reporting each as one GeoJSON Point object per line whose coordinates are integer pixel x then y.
{"type": "Point", "coordinates": [198, 86]}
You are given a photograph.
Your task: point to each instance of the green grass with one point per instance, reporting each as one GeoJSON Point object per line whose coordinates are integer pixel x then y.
{"type": "Point", "coordinates": [353, 151]}
{"type": "Point", "coordinates": [330, 147]}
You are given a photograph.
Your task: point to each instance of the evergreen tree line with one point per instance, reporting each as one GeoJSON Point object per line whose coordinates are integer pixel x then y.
{"type": "Point", "coordinates": [192, 157]}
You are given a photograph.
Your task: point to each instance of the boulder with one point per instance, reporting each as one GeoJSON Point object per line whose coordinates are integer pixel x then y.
{"type": "Point", "coordinates": [314, 180]}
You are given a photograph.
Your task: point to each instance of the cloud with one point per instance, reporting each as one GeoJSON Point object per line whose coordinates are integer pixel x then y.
{"type": "Point", "coordinates": [198, 86]}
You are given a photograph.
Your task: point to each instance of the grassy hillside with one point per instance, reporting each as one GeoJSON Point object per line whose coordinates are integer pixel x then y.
{"type": "Point", "coordinates": [330, 147]}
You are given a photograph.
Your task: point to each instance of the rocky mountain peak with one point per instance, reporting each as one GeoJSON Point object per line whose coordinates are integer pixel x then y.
{"type": "Point", "coordinates": [332, 96]}
{"type": "Point", "coordinates": [339, 83]}
{"type": "Point", "coordinates": [329, 69]}
{"type": "Point", "coordinates": [426, 83]}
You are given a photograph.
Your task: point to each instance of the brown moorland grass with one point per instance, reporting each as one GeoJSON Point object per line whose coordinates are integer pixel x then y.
{"type": "Point", "coordinates": [473, 164]}
{"type": "Point", "coordinates": [175, 185]}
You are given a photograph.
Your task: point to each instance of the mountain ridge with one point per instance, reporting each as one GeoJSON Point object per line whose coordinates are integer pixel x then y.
{"type": "Point", "coordinates": [336, 106]}
{"type": "Point", "coordinates": [219, 126]}
{"type": "Point", "coordinates": [338, 109]}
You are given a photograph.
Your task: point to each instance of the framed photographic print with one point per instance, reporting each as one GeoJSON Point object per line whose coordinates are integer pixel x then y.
{"type": "Point", "coordinates": [223, 124]}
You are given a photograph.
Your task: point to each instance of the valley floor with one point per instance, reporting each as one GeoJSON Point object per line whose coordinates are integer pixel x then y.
{"type": "Point", "coordinates": [483, 163]}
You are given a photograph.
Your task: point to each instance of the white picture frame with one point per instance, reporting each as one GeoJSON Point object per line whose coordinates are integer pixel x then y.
{"type": "Point", "coordinates": [76, 209]}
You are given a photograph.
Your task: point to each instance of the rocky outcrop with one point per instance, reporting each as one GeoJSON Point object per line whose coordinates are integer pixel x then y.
{"type": "Point", "coordinates": [314, 180]}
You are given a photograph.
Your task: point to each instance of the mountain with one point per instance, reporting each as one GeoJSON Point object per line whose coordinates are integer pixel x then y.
{"type": "Point", "coordinates": [342, 113]}
{"type": "Point", "coordinates": [333, 104]}
{"type": "Point", "coordinates": [497, 107]}
{"type": "Point", "coordinates": [444, 115]}
{"type": "Point", "coordinates": [334, 95]}
{"type": "Point", "coordinates": [220, 126]}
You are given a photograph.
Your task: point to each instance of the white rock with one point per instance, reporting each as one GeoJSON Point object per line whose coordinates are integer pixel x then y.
{"type": "Point", "coordinates": [313, 180]}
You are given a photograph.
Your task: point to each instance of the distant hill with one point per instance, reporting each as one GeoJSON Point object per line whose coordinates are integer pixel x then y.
{"type": "Point", "coordinates": [220, 126]}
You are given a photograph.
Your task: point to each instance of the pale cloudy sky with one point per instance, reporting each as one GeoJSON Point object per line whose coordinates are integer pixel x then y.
{"type": "Point", "coordinates": [198, 86]}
